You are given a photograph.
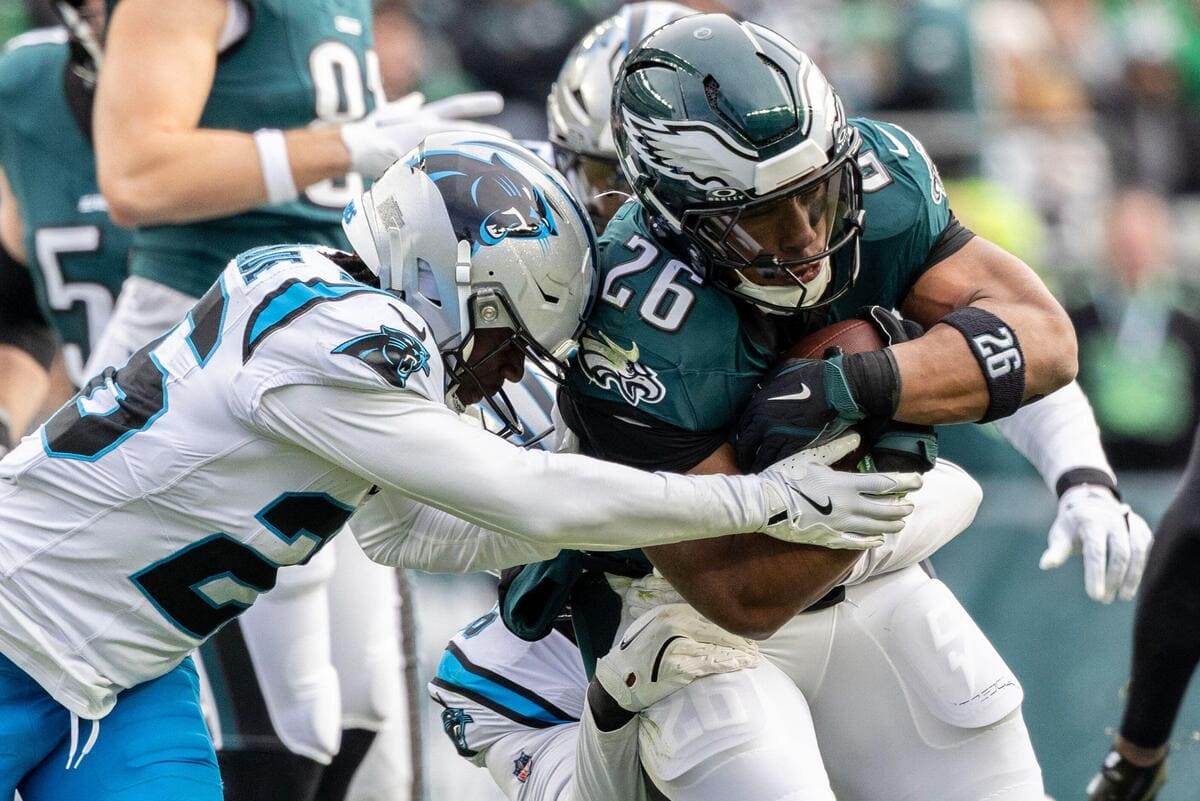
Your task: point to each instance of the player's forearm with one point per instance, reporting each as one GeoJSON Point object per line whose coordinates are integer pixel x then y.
{"type": "Point", "coordinates": [941, 381]}
{"type": "Point", "coordinates": [189, 175]}
{"type": "Point", "coordinates": [422, 450]}
{"type": "Point", "coordinates": [750, 584]}
{"type": "Point", "coordinates": [394, 530]}
{"type": "Point", "coordinates": [1056, 434]}
{"type": "Point", "coordinates": [23, 385]}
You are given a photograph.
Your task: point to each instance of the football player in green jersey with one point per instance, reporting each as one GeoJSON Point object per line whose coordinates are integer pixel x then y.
{"type": "Point", "coordinates": [763, 214]}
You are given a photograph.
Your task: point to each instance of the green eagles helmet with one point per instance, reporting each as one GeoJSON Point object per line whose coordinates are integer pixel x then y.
{"type": "Point", "coordinates": [734, 141]}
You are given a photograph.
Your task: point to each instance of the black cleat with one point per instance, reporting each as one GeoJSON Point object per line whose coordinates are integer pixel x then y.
{"type": "Point", "coordinates": [1121, 780]}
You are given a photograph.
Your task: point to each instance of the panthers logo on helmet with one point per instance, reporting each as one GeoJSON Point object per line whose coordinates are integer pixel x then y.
{"type": "Point", "coordinates": [393, 354]}
{"type": "Point", "coordinates": [494, 200]}
{"type": "Point", "coordinates": [610, 366]}
{"type": "Point", "coordinates": [454, 723]}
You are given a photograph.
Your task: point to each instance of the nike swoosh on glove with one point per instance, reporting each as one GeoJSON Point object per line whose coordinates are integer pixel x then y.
{"type": "Point", "coordinates": [809, 502]}
{"type": "Point", "coordinates": [665, 650]}
{"type": "Point", "coordinates": [376, 141]}
{"type": "Point", "coordinates": [1113, 539]}
{"type": "Point", "coordinates": [798, 403]}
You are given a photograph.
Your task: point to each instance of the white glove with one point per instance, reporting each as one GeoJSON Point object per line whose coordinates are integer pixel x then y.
{"type": "Point", "coordinates": [811, 503]}
{"type": "Point", "coordinates": [665, 650]}
{"type": "Point", "coordinates": [376, 141]}
{"type": "Point", "coordinates": [1114, 540]}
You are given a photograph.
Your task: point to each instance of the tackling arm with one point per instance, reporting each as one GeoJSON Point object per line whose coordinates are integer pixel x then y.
{"type": "Point", "coordinates": [940, 379]}
{"type": "Point", "coordinates": [421, 450]}
{"type": "Point", "coordinates": [751, 585]}
{"type": "Point", "coordinates": [746, 583]}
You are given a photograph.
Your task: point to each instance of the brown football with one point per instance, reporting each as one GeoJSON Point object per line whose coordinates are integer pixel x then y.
{"type": "Point", "coordinates": [852, 336]}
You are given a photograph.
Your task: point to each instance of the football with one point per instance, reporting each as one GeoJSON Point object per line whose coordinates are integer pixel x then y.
{"type": "Point", "coordinates": [852, 336]}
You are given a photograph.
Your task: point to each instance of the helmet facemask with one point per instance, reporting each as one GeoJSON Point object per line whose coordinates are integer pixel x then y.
{"type": "Point", "coordinates": [84, 36]}
{"type": "Point", "coordinates": [489, 309]}
{"type": "Point", "coordinates": [786, 273]}
{"type": "Point", "coordinates": [597, 180]}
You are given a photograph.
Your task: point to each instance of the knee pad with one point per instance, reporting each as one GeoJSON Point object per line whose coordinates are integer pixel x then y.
{"type": "Point", "coordinates": [746, 734]}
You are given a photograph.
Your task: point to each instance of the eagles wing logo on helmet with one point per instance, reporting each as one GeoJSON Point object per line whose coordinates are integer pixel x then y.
{"type": "Point", "coordinates": [695, 151]}
{"type": "Point", "coordinates": [454, 723]}
{"type": "Point", "coordinates": [393, 354]}
{"type": "Point", "coordinates": [497, 201]}
{"type": "Point", "coordinates": [610, 366]}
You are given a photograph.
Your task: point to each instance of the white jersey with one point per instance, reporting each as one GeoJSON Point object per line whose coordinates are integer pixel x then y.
{"type": "Point", "coordinates": [157, 504]}
{"type": "Point", "coordinates": [108, 515]}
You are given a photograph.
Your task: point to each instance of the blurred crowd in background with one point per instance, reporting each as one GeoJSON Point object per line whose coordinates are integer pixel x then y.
{"type": "Point", "coordinates": [1064, 129]}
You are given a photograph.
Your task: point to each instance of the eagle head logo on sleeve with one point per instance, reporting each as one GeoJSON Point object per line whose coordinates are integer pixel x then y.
{"type": "Point", "coordinates": [393, 354]}
{"type": "Point", "coordinates": [498, 201]}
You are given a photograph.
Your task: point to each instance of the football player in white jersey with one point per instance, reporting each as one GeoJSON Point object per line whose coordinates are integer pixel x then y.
{"type": "Point", "coordinates": [158, 503]}
{"type": "Point", "coordinates": [522, 737]}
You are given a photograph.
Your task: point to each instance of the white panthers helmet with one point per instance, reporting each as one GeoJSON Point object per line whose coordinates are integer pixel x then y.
{"type": "Point", "coordinates": [579, 107]}
{"type": "Point", "coordinates": [474, 231]}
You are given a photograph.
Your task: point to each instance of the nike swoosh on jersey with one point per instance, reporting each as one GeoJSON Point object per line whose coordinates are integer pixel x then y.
{"type": "Point", "coordinates": [824, 508]}
{"type": "Point", "coordinates": [899, 149]}
{"type": "Point", "coordinates": [803, 394]}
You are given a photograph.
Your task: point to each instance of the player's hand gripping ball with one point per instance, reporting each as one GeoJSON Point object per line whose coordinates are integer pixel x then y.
{"type": "Point", "coordinates": [806, 399]}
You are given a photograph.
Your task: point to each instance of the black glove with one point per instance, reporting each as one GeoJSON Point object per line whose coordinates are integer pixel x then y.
{"type": "Point", "coordinates": [892, 327]}
{"type": "Point", "coordinates": [800, 402]}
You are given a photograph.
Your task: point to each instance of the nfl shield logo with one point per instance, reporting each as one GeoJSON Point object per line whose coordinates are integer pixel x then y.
{"type": "Point", "coordinates": [522, 766]}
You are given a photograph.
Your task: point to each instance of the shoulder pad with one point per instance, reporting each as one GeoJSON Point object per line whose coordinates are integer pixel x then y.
{"type": "Point", "coordinates": [308, 321]}
{"type": "Point", "coordinates": [900, 181]}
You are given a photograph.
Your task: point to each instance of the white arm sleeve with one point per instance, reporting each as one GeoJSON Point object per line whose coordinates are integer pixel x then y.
{"type": "Point", "coordinates": [942, 509]}
{"type": "Point", "coordinates": [395, 530]}
{"type": "Point", "coordinates": [421, 450]}
{"type": "Point", "coordinates": [1056, 434]}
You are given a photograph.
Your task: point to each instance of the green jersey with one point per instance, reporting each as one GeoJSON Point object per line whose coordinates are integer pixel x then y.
{"type": "Point", "coordinates": [667, 361]}
{"type": "Point", "coordinates": [300, 62]}
{"type": "Point", "coordinates": [76, 255]}
{"type": "Point", "coordinates": [675, 351]}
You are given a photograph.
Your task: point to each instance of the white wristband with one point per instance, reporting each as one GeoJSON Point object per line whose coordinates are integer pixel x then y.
{"type": "Point", "coordinates": [276, 169]}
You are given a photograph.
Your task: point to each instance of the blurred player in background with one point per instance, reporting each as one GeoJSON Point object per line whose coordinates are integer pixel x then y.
{"type": "Point", "coordinates": [54, 227]}
{"type": "Point", "coordinates": [1166, 650]}
{"type": "Point", "coordinates": [222, 124]}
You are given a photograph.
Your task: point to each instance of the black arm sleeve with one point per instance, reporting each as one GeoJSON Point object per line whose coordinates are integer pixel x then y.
{"type": "Point", "coordinates": [619, 433]}
{"type": "Point", "coordinates": [21, 322]}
